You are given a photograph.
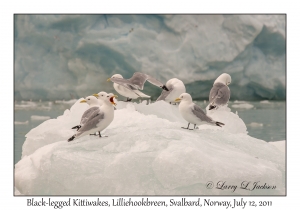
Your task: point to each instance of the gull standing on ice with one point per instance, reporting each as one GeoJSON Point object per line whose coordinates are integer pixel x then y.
{"type": "Point", "coordinates": [93, 102]}
{"type": "Point", "coordinates": [100, 99]}
{"type": "Point", "coordinates": [220, 93]}
{"type": "Point", "coordinates": [130, 87]}
{"type": "Point", "coordinates": [193, 113]}
{"type": "Point", "coordinates": [98, 119]}
{"type": "Point", "coordinates": [176, 87]}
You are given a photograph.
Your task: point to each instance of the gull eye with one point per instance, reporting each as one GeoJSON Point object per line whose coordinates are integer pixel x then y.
{"type": "Point", "coordinates": [107, 96]}
{"type": "Point", "coordinates": [101, 95]}
{"type": "Point", "coordinates": [88, 99]}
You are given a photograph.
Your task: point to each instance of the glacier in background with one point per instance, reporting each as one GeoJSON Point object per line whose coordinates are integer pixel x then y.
{"type": "Point", "coordinates": [71, 56]}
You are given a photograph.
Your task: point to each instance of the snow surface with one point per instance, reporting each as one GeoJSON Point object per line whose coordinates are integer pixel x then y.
{"type": "Point", "coordinates": [146, 153]}
{"type": "Point", "coordinates": [70, 56]}
{"type": "Point", "coordinates": [279, 145]}
{"type": "Point", "coordinates": [17, 192]}
{"type": "Point", "coordinates": [233, 123]}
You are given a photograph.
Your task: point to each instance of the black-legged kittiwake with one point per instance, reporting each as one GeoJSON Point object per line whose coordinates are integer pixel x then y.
{"type": "Point", "coordinates": [100, 100]}
{"type": "Point", "coordinates": [93, 103]}
{"type": "Point", "coordinates": [176, 87]}
{"type": "Point", "coordinates": [193, 113]}
{"type": "Point", "coordinates": [130, 87]}
{"type": "Point", "coordinates": [220, 93]}
{"type": "Point", "coordinates": [108, 95]}
{"type": "Point", "coordinates": [98, 119]}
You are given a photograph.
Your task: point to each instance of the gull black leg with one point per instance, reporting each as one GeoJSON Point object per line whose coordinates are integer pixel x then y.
{"type": "Point", "coordinates": [186, 127]}
{"type": "Point", "coordinates": [100, 136]}
{"type": "Point", "coordinates": [77, 127]}
{"type": "Point", "coordinates": [72, 138]}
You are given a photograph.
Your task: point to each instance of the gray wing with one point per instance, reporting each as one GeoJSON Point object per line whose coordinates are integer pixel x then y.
{"type": "Point", "coordinates": [219, 94]}
{"type": "Point", "coordinates": [165, 93]}
{"type": "Point", "coordinates": [137, 81]}
{"type": "Point", "coordinates": [91, 122]}
{"type": "Point", "coordinates": [152, 80]}
{"type": "Point", "coordinates": [86, 114]}
{"type": "Point", "coordinates": [201, 114]}
{"type": "Point", "coordinates": [125, 83]}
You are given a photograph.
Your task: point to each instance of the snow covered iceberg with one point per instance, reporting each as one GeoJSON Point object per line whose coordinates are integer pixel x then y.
{"type": "Point", "coordinates": [147, 153]}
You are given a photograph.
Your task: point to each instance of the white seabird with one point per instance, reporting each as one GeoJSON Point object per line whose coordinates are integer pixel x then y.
{"type": "Point", "coordinates": [93, 103]}
{"type": "Point", "coordinates": [220, 93]}
{"type": "Point", "coordinates": [98, 119]}
{"type": "Point", "coordinates": [100, 101]}
{"type": "Point", "coordinates": [176, 87]}
{"type": "Point", "coordinates": [130, 87]}
{"type": "Point", "coordinates": [108, 95]}
{"type": "Point", "coordinates": [193, 113]}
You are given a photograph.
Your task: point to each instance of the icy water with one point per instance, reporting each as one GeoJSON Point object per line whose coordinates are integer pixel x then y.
{"type": "Point", "coordinates": [265, 120]}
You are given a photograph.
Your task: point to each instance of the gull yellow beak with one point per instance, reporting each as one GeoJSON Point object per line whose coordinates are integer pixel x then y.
{"type": "Point", "coordinates": [96, 95]}
{"type": "Point", "coordinates": [83, 101]}
{"type": "Point", "coordinates": [177, 99]}
{"type": "Point", "coordinates": [108, 80]}
{"type": "Point", "coordinates": [115, 96]}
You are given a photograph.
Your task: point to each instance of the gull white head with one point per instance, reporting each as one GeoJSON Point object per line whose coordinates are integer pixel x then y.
{"type": "Point", "coordinates": [224, 79]}
{"type": "Point", "coordinates": [184, 97]}
{"type": "Point", "coordinates": [106, 98]}
{"type": "Point", "coordinates": [116, 76]}
{"type": "Point", "coordinates": [173, 81]}
{"type": "Point", "coordinates": [111, 94]}
{"type": "Point", "coordinates": [101, 95]}
{"type": "Point", "coordinates": [90, 100]}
